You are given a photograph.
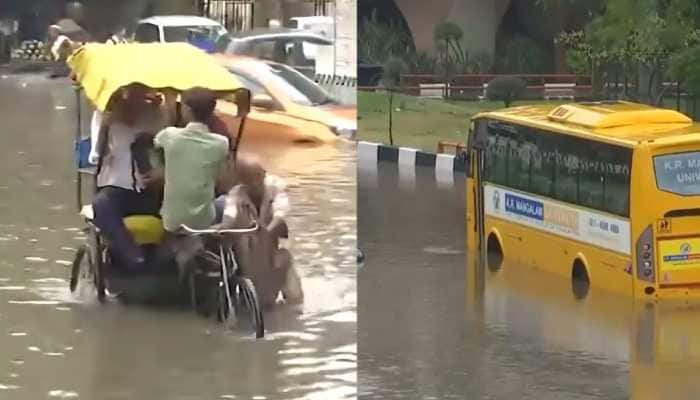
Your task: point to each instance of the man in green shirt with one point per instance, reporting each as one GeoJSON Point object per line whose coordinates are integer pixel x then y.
{"type": "Point", "coordinates": [194, 160]}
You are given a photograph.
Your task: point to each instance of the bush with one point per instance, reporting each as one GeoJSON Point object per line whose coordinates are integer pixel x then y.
{"type": "Point", "coordinates": [506, 89]}
{"type": "Point", "coordinates": [481, 63]}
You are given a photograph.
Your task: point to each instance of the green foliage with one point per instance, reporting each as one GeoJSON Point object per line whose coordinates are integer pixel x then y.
{"type": "Point", "coordinates": [453, 57]}
{"type": "Point", "coordinates": [686, 67]}
{"type": "Point", "coordinates": [381, 41]}
{"type": "Point", "coordinates": [423, 63]}
{"type": "Point", "coordinates": [635, 33]}
{"type": "Point", "coordinates": [391, 79]}
{"type": "Point", "coordinates": [506, 89]}
{"type": "Point", "coordinates": [481, 63]}
{"type": "Point", "coordinates": [447, 31]}
{"type": "Point", "coordinates": [394, 67]}
{"type": "Point", "coordinates": [523, 56]}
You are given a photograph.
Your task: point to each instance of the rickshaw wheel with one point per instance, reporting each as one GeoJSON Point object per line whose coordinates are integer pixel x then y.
{"type": "Point", "coordinates": [247, 304]}
{"type": "Point", "coordinates": [83, 279]}
{"type": "Point", "coordinates": [222, 309]}
{"type": "Point", "coordinates": [76, 269]}
{"type": "Point", "coordinates": [99, 262]}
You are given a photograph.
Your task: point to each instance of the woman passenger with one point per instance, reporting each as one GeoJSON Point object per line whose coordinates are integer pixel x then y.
{"type": "Point", "coordinates": [121, 189]}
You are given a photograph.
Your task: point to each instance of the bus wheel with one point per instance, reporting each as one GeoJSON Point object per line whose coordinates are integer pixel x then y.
{"type": "Point", "coordinates": [580, 283]}
{"type": "Point", "coordinates": [494, 253]}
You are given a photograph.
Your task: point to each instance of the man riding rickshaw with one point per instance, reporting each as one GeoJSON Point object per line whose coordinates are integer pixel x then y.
{"type": "Point", "coordinates": [132, 88]}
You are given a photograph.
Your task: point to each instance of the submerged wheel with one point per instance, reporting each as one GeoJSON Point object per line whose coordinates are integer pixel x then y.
{"type": "Point", "coordinates": [99, 271]}
{"type": "Point", "coordinates": [494, 253]}
{"type": "Point", "coordinates": [247, 305]}
{"type": "Point", "coordinates": [83, 279]}
{"type": "Point", "coordinates": [580, 282]}
{"type": "Point", "coordinates": [80, 269]}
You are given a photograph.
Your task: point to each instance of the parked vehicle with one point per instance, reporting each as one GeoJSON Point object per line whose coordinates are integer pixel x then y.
{"type": "Point", "coordinates": [287, 107]}
{"type": "Point", "coordinates": [293, 47]}
{"type": "Point", "coordinates": [321, 25]}
{"type": "Point", "coordinates": [199, 31]}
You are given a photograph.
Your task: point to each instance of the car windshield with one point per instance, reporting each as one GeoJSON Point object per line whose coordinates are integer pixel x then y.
{"type": "Point", "coordinates": [678, 173]}
{"type": "Point", "coordinates": [183, 33]}
{"type": "Point", "coordinates": [300, 89]}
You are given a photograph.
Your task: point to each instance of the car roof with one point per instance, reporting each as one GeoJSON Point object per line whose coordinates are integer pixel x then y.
{"type": "Point", "coordinates": [179, 20]}
{"type": "Point", "coordinates": [316, 18]}
{"type": "Point", "coordinates": [241, 62]}
{"type": "Point", "coordinates": [283, 33]}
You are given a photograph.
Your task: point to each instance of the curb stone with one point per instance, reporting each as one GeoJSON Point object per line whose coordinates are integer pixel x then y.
{"type": "Point", "coordinates": [369, 152]}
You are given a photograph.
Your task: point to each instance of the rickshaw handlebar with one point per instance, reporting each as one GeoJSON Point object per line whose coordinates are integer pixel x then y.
{"type": "Point", "coordinates": [199, 232]}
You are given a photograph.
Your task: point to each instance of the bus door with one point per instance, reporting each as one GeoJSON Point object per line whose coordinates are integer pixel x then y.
{"type": "Point", "coordinates": [475, 190]}
{"type": "Point", "coordinates": [480, 162]}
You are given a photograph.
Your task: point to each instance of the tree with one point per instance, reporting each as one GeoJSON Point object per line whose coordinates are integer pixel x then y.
{"type": "Point", "coordinates": [391, 79]}
{"type": "Point", "coordinates": [637, 38]}
{"type": "Point", "coordinates": [686, 66]}
{"type": "Point", "coordinates": [447, 36]}
{"type": "Point", "coordinates": [506, 89]}
{"type": "Point", "coordinates": [381, 41]}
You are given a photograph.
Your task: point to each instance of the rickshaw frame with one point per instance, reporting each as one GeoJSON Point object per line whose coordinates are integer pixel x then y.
{"type": "Point", "coordinates": [229, 277]}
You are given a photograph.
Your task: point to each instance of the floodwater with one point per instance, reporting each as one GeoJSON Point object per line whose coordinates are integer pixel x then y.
{"type": "Point", "coordinates": [431, 326]}
{"type": "Point", "coordinates": [52, 346]}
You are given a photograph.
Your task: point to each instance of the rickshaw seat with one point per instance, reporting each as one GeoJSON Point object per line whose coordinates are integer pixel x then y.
{"type": "Point", "coordinates": [146, 229]}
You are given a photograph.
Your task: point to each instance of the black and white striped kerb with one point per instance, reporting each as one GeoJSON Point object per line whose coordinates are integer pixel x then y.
{"type": "Point", "coordinates": [336, 80]}
{"type": "Point", "coordinates": [368, 152]}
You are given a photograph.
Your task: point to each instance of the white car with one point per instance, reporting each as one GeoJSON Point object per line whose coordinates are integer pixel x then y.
{"type": "Point", "coordinates": [178, 28]}
{"type": "Point", "coordinates": [321, 25]}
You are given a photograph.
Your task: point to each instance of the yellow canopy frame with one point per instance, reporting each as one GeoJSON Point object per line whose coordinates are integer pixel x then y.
{"type": "Point", "coordinates": [103, 69]}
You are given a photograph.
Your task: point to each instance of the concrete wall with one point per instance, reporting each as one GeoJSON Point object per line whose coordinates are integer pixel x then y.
{"type": "Point", "coordinates": [479, 19]}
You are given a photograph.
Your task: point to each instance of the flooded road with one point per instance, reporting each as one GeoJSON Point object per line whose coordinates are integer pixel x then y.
{"type": "Point", "coordinates": [54, 347]}
{"type": "Point", "coordinates": [431, 326]}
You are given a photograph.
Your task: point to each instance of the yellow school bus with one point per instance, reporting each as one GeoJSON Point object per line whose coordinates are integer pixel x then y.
{"type": "Point", "coordinates": [606, 193]}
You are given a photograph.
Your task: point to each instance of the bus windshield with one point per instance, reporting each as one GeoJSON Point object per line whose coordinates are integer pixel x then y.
{"type": "Point", "coordinates": [678, 173]}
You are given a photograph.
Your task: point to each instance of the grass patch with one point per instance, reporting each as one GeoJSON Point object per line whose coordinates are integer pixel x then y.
{"type": "Point", "coordinates": [419, 123]}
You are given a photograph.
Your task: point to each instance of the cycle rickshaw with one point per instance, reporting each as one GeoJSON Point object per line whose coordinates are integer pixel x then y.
{"type": "Point", "coordinates": [215, 284]}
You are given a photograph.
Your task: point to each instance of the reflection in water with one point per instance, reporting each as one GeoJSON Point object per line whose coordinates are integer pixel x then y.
{"type": "Point", "coordinates": [52, 346]}
{"type": "Point", "coordinates": [433, 324]}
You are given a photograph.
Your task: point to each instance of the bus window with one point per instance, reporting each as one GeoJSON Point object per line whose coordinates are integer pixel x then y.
{"type": "Point", "coordinates": [566, 172]}
{"type": "Point", "coordinates": [618, 162]}
{"type": "Point", "coordinates": [519, 163]}
{"type": "Point", "coordinates": [591, 185]}
{"type": "Point", "coordinates": [497, 158]}
{"type": "Point", "coordinates": [569, 169]}
{"type": "Point", "coordinates": [541, 169]}
{"type": "Point", "coordinates": [678, 173]}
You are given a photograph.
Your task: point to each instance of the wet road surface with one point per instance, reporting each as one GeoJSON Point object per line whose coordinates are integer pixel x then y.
{"type": "Point", "coordinates": [433, 326]}
{"type": "Point", "coordinates": [54, 347]}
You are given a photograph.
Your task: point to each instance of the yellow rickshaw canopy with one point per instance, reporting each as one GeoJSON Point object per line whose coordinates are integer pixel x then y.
{"type": "Point", "coordinates": [102, 69]}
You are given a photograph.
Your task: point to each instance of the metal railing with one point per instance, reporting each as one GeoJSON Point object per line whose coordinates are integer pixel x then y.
{"type": "Point", "coordinates": [235, 15]}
